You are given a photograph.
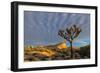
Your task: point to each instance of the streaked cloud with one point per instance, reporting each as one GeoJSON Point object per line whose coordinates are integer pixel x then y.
{"type": "Point", "coordinates": [42, 27]}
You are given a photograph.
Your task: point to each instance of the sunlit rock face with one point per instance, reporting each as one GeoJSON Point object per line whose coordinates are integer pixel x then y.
{"type": "Point", "coordinates": [62, 45]}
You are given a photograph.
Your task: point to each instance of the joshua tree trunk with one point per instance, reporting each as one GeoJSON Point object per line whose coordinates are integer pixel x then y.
{"type": "Point", "coordinates": [71, 49]}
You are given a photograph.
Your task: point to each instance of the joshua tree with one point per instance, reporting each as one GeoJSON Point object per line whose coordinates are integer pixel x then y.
{"type": "Point", "coordinates": [70, 34]}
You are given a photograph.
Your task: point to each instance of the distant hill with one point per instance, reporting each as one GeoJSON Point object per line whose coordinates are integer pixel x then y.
{"type": "Point", "coordinates": [85, 51]}
{"type": "Point", "coordinates": [61, 45]}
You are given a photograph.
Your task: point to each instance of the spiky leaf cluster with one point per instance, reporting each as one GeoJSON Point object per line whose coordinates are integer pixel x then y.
{"type": "Point", "coordinates": [70, 33]}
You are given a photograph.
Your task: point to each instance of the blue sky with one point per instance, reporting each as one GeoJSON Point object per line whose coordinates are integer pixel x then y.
{"type": "Point", "coordinates": [41, 28]}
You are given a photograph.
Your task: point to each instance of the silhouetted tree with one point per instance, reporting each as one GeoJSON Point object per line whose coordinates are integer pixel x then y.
{"type": "Point", "coordinates": [70, 34]}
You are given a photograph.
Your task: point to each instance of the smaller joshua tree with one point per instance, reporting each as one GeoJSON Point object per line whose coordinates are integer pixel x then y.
{"type": "Point", "coordinates": [70, 34]}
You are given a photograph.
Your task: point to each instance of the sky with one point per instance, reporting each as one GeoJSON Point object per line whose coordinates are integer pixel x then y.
{"type": "Point", "coordinates": [41, 28]}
